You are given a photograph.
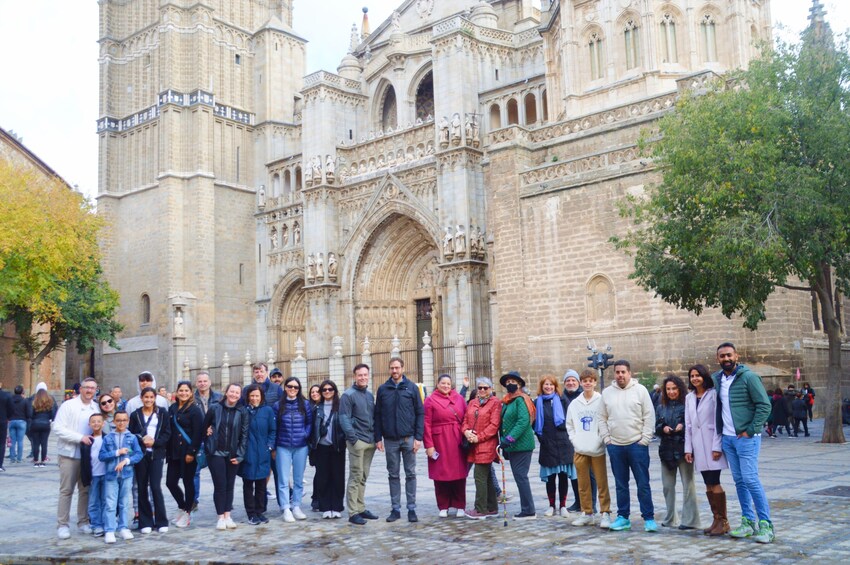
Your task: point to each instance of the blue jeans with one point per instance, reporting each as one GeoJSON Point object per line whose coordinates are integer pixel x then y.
{"type": "Point", "coordinates": [635, 457]}
{"type": "Point", "coordinates": [290, 463]}
{"type": "Point", "coordinates": [118, 500]}
{"type": "Point", "coordinates": [398, 451]}
{"type": "Point", "coordinates": [96, 502]}
{"type": "Point", "coordinates": [743, 457]}
{"type": "Point", "coordinates": [17, 431]}
{"type": "Point", "coordinates": [197, 483]}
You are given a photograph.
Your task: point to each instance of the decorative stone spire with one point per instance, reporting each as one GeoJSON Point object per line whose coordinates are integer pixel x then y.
{"type": "Point", "coordinates": [817, 12]}
{"type": "Point", "coordinates": [364, 27]}
{"type": "Point", "coordinates": [819, 30]}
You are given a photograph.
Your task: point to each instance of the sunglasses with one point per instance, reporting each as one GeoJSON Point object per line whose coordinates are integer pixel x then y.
{"type": "Point", "coordinates": [105, 402]}
{"type": "Point", "coordinates": [294, 387]}
{"type": "Point", "coordinates": [327, 390]}
{"type": "Point", "coordinates": [484, 388]}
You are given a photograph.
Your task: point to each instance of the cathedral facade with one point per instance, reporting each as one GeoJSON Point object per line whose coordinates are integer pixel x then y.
{"type": "Point", "coordinates": [458, 173]}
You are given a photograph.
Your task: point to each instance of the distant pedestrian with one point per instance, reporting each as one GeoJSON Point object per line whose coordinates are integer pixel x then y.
{"type": "Point", "coordinates": [356, 417]}
{"type": "Point", "coordinates": [294, 420]}
{"type": "Point", "coordinates": [670, 427]}
{"type": "Point", "coordinates": [517, 438]}
{"type": "Point", "coordinates": [556, 450]}
{"type": "Point", "coordinates": [800, 412]}
{"type": "Point", "coordinates": [399, 428]}
{"type": "Point", "coordinates": [481, 429]}
{"type": "Point", "coordinates": [72, 429]}
{"type": "Point", "coordinates": [18, 418]}
{"type": "Point", "coordinates": [256, 465]}
{"type": "Point", "coordinates": [5, 410]}
{"type": "Point", "coordinates": [627, 424]}
{"type": "Point", "coordinates": [187, 433]}
{"type": "Point", "coordinates": [43, 414]}
{"type": "Point", "coordinates": [327, 445]}
{"type": "Point", "coordinates": [742, 409]}
{"type": "Point", "coordinates": [447, 466]}
{"type": "Point", "coordinates": [779, 413]}
{"type": "Point", "coordinates": [152, 427]}
{"type": "Point", "coordinates": [226, 424]}
{"type": "Point", "coordinates": [119, 453]}
{"type": "Point", "coordinates": [703, 446]}
{"type": "Point", "coordinates": [809, 396]}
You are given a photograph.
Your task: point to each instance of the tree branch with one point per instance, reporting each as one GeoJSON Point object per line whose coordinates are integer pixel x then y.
{"type": "Point", "coordinates": [793, 287]}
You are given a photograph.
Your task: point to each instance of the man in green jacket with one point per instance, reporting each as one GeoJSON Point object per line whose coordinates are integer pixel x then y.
{"type": "Point", "coordinates": [742, 409]}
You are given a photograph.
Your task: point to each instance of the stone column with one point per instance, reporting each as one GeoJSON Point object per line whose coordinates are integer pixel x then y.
{"type": "Point", "coordinates": [225, 371]}
{"type": "Point", "coordinates": [427, 362]}
{"type": "Point", "coordinates": [335, 364]}
{"type": "Point", "coordinates": [460, 360]}
{"type": "Point", "coordinates": [246, 369]}
{"type": "Point", "coordinates": [299, 364]}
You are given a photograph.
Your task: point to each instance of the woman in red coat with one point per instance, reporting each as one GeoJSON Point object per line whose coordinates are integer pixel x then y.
{"type": "Point", "coordinates": [481, 429]}
{"type": "Point", "coordinates": [447, 467]}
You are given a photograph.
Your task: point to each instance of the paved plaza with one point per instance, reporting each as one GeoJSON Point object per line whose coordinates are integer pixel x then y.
{"type": "Point", "coordinates": [810, 527]}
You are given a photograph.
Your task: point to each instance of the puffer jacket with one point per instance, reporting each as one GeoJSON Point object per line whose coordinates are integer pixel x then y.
{"type": "Point", "coordinates": [516, 424]}
{"type": "Point", "coordinates": [671, 448]}
{"type": "Point", "coordinates": [485, 421]}
{"type": "Point", "coordinates": [293, 427]}
{"type": "Point", "coordinates": [748, 402]}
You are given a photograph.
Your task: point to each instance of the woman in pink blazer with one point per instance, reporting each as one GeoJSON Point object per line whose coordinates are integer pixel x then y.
{"type": "Point", "coordinates": [447, 466]}
{"type": "Point", "coordinates": [702, 444]}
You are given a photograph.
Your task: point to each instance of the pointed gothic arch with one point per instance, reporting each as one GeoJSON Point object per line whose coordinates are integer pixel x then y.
{"type": "Point", "coordinates": [288, 314]}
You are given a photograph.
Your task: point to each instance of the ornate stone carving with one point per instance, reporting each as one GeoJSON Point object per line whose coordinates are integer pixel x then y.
{"type": "Point", "coordinates": [424, 8]}
{"type": "Point", "coordinates": [273, 238]}
{"type": "Point", "coordinates": [444, 133]}
{"type": "Point", "coordinates": [332, 266]}
{"type": "Point", "coordinates": [296, 234]}
{"type": "Point", "coordinates": [261, 197]}
{"type": "Point", "coordinates": [455, 133]}
{"type": "Point", "coordinates": [460, 242]}
{"type": "Point", "coordinates": [330, 167]}
{"type": "Point", "coordinates": [320, 267]}
{"type": "Point", "coordinates": [311, 268]}
{"type": "Point", "coordinates": [448, 247]}
{"type": "Point", "coordinates": [179, 330]}
{"type": "Point", "coordinates": [471, 130]}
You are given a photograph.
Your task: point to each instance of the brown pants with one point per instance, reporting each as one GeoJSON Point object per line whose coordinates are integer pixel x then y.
{"type": "Point", "coordinates": [69, 477]}
{"type": "Point", "coordinates": [583, 465]}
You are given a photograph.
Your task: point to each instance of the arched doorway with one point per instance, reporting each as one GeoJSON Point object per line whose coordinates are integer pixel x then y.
{"type": "Point", "coordinates": [290, 316]}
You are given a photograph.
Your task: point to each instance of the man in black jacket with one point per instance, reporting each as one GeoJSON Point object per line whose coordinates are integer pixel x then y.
{"type": "Point", "coordinates": [399, 428]}
{"type": "Point", "coordinates": [5, 410]}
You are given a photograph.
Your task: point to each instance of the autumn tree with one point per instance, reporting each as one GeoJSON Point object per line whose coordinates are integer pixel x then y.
{"type": "Point", "coordinates": [755, 195]}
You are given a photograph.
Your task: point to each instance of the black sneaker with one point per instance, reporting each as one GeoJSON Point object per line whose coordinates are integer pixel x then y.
{"type": "Point", "coordinates": [357, 519]}
{"type": "Point", "coordinates": [576, 507]}
{"type": "Point", "coordinates": [411, 516]}
{"type": "Point", "coordinates": [254, 521]}
{"type": "Point", "coordinates": [262, 518]}
{"type": "Point", "coordinates": [394, 515]}
{"type": "Point", "coordinates": [524, 516]}
{"type": "Point", "coordinates": [369, 515]}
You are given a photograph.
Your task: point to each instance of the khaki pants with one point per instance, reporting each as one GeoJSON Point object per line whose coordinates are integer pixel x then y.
{"type": "Point", "coordinates": [690, 509]}
{"type": "Point", "coordinates": [583, 464]}
{"type": "Point", "coordinates": [69, 477]}
{"type": "Point", "coordinates": [360, 456]}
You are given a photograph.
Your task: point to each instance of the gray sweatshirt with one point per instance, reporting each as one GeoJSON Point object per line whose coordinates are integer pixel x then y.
{"type": "Point", "coordinates": [356, 414]}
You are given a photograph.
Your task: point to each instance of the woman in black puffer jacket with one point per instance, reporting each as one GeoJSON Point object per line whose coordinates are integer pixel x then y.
{"type": "Point", "coordinates": [670, 427]}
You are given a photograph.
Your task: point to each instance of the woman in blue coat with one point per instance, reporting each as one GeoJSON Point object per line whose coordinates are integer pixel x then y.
{"type": "Point", "coordinates": [294, 417]}
{"type": "Point", "coordinates": [256, 466]}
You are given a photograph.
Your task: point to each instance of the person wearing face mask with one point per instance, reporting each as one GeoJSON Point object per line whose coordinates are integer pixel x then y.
{"type": "Point", "coordinates": [447, 467]}
{"type": "Point", "coordinates": [572, 390]}
{"type": "Point", "coordinates": [517, 438]}
{"type": "Point", "coordinates": [481, 429]}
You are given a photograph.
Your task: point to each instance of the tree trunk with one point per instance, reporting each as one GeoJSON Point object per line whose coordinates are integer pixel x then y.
{"type": "Point", "coordinates": [832, 427]}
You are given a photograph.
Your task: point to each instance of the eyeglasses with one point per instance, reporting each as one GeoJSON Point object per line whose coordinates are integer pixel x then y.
{"type": "Point", "coordinates": [293, 387]}
{"type": "Point", "coordinates": [484, 388]}
{"type": "Point", "coordinates": [327, 390]}
{"type": "Point", "coordinates": [105, 402]}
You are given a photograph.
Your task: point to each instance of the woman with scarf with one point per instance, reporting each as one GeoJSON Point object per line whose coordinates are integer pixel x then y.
{"type": "Point", "coordinates": [447, 466]}
{"type": "Point", "coordinates": [556, 450]}
{"type": "Point", "coordinates": [517, 438]}
{"type": "Point", "coordinates": [670, 427]}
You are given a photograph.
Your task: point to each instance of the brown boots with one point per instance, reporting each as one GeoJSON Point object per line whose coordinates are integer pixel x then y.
{"type": "Point", "coordinates": [720, 525]}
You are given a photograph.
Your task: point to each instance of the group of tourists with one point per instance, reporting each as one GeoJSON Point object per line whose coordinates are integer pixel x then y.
{"type": "Point", "coordinates": [114, 453]}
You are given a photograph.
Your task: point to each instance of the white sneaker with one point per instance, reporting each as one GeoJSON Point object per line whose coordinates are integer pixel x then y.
{"type": "Point", "coordinates": [605, 521]}
{"type": "Point", "coordinates": [221, 524]}
{"type": "Point", "coordinates": [296, 511]}
{"type": "Point", "coordinates": [583, 520]}
{"type": "Point", "coordinates": [177, 518]}
{"type": "Point", "coordinates": [126, 534]}
{"type": "Point", "coordinates": [564, 512]}
{"type": "Point", "coordinates": [460, 513]}
{"type": "Point", "coordinates": [327, 515]}
{"type": "Point", "coordinates": [336, 514]}
{"type": "Point", "coordinates": [184, 520]}
{"type": "Point", "coordinates": [231, 525]}
{"type": "Point", "coordinates": [163, 530]}
{"type": "Point", "coordinates": [550, 511]}
{"type": "Point", "coordinates": [145, 530]}
{"type": "Point", "coordinates": [444, 513]}
{"type": "Point", "coordinates": [85, 529]}
{"type": "Point", "coordinates": [287, 515]}
{"type": "Point", "coordinates": [109, 537]}
{"type": "Point", "coordinates": [63, 532]}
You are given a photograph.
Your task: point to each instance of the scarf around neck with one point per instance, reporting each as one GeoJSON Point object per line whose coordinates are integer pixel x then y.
{"type": "Point", "coordinates": [557, 411]}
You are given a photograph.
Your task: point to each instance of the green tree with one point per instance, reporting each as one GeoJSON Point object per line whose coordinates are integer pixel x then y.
{"type": "Point", "coordinates": [755, 194]}
{"type": "Point", "coordinates": [51, 284]}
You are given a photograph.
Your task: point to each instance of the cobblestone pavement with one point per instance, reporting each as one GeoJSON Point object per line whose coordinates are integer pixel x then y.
{"type": "Point", "coordinates": [809, 527]}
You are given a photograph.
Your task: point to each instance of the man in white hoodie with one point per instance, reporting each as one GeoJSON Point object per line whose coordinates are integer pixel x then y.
{"type": "Point", "coordinates": [626, 424]}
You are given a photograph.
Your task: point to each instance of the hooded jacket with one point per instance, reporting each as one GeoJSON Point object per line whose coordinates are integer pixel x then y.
{"type": "Point", "coordinates": [627, 415]}
{"type": "Point", "coordinates": [583, 425]}
{"type": "Point", "coordinates": [136, 402]}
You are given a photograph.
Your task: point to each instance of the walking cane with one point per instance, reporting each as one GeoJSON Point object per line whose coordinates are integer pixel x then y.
{"type": "Point", "coordinates": [504, 488]}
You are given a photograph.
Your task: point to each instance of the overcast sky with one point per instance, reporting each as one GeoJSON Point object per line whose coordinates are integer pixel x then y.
{"type": "Point", "coordinates": [49, 70]}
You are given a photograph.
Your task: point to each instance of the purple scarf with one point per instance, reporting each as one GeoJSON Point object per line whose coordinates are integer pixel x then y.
{"type": "Point", "coordinates": [557, 411]}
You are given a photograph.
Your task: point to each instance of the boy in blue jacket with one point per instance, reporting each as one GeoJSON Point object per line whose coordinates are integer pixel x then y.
{"type": "Point", "coordinates": [120, 452]}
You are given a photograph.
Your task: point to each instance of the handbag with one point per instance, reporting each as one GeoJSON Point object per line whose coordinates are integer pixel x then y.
{"type": "Point", "coordinates": [201, 455]}
{"type": "Point", "coordinates": [464, 443]}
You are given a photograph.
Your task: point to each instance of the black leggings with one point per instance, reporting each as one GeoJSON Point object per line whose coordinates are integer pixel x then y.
{"type": "Point", "coordinates": [563, 488]}
{"type": "Point", "coordinates": [178, 469]}
{"type": "Point", "coordinates": [39, 442]}
{"type": "Point", "coordinates": [223, 474]}
{"type": "Point", "coordinates": [711, 478]}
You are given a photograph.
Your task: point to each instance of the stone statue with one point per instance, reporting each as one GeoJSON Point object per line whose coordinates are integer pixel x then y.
{"type": "Point", "coordinates": [479, 238]}
{"type": "Point", "coordinates": [332, 265]}
{"type": "Point", "coordinates": [396, 19]}
{"type": "Point", "coordinates": [274, 238]}
{"type": "Point", "coordinates": [460, 242]}
{"type": "Point", "coordinates": [471, 130]}
{"type": "Point", "coordinates": [308, 175]}
{"type": "Point", "coordinates": [320, 266]}
{"type": "Point", "coordinates": [316, 165]}
{"type": "Point", "coordinates": [311, 267]}
{"type": "Point", "coordinates": [444, 132]}
{"type": "Point", "coordinates": [354, 40]}
{"type": "Point", "coordinates": [296, 234]}
{"type": "Point", "coordinates": [456, 129]}
{"type": "Point", "coordinates": [448, 249]}
{"type": "Point", "coordinates": [284, 235]}
{"type": "Point", "coordinates": [261, 197]}
{"type": "Point", "coordinates": [330, 168]}
{"type": "Point", "coordinates": [178, 324]}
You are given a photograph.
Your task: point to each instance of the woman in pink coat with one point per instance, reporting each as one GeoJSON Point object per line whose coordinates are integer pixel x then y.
{"type": "Point", "coordinates": [703, 444]}
{"type": "Point", "coordinates": [447, 466]}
